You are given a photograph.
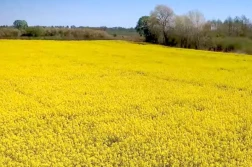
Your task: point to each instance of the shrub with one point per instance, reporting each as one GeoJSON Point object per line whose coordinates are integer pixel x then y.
{"type": "Point", "coordinates": [34, 32]}
{"type": "Point", "coordinates": [9, 33]}
{"type": "Point", "coordinates": [55, 33]}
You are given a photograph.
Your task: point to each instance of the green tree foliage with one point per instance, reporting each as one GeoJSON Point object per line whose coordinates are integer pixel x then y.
{"type": "Point", "coordinates": [143, 29]}
{"type": "Point", "coordinates": [34, 31]}
{"type": "Point", "coordinates": [20, 24]}
{"type": "Point", "coordinates": [142, 26]}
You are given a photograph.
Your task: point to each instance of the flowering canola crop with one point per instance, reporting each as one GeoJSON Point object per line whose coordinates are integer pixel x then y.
{"type": "Point", "coordinates": [114, 103]}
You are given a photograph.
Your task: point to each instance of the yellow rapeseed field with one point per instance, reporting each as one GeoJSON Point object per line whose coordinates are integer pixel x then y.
{"type": "Point", "coordinates": [114, 103]}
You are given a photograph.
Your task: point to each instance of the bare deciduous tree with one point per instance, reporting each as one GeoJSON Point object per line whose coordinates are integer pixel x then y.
{"type": "Point", "coordinates": [163, 17]}
{"type": "Point", "coordinates": [183, 29]}
{"type": "Point", "coordinates": [197, 21]}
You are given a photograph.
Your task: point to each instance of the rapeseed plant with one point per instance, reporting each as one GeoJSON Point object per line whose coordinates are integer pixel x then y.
{"type": "Point", "coordinates": [114, 103]}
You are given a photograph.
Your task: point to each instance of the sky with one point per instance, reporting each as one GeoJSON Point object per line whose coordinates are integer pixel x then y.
{"type": "Point", "coordinates": [110, 13]}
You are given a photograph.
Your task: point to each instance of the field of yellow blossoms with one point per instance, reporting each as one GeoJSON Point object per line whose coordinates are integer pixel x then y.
{"type": "Point", "coordinates": [114, 103]}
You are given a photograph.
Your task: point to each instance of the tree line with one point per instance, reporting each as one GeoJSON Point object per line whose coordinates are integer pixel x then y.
{"type": "Point", "coordinates": [192, 30]}
{"type": "Point", "coordinates": [21, 30]}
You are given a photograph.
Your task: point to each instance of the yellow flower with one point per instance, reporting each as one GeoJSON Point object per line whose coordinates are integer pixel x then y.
{"type": "Point", "coordinates": [114, 103]}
